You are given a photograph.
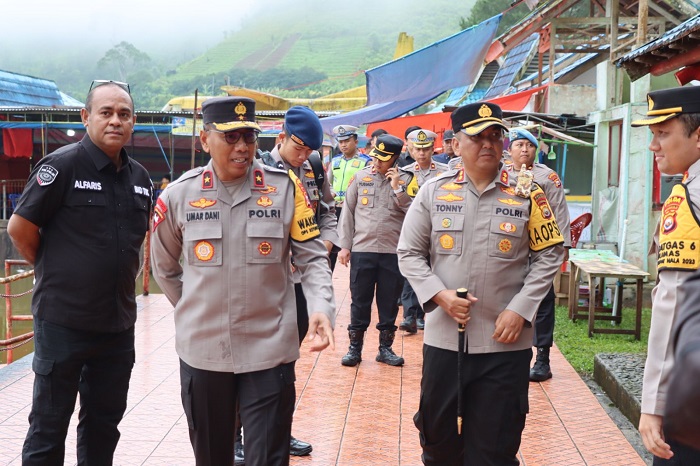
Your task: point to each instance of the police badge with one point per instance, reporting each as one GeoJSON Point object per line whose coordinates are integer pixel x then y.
{"type": "Point", "coordinates": [524, 184]}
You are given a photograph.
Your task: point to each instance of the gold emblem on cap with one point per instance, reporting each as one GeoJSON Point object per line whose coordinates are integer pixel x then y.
{"type": "Point", "coordinates": [422, 136]}
{"type": "Point", "coordinates": [650, 101]}
{"type": "Point", "coordinates": [485, 111]}
{"type": "Point", "coordinates": [341, 130]}
{"type": "Point", "coordinates": [240, 110]}
{"type": "Point", "coordinates": [380, 146]}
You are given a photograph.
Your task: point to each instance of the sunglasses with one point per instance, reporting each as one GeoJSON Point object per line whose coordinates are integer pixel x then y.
{"type": "Point", "coordinates": [101, 82]}
{"type": "Point", "coordinates": [232, 137]}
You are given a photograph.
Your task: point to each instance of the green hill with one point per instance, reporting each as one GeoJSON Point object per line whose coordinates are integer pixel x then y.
{"type": "Point", "coordinates": [339, 42]}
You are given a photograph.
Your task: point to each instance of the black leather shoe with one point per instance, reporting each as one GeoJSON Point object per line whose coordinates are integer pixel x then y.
{"type": "Point", "coordinates": [420, 323]}
{"type": "Point", "coordinates": [299, 448]}
{"type": "Point", "coordinates": [409, 325]}
{"type": "Point", "coordinates": [238, 458]}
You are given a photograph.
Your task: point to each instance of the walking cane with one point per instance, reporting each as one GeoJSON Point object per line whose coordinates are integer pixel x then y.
{"type": "Point", "coordinates": [461, 293]}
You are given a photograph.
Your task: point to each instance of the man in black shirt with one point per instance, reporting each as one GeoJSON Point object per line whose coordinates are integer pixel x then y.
{"type": "Point", "coordinates": [81, 221]}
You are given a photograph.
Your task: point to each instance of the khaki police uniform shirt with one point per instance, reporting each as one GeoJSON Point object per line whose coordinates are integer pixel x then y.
{"type": "Point", "coordinates": [666, 298]}
{"type": "Point", "coordinates": [235, 307]}
{"type": "Point", "coordinates": [372, 216]}
{"type": "Point", "coordinates": [421, 176]}
{"type": "Point", "coordinates": [454, 236]}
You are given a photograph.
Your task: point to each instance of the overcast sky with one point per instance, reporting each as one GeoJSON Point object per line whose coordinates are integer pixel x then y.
{"type": "Point", "coordinates": [141, 22]}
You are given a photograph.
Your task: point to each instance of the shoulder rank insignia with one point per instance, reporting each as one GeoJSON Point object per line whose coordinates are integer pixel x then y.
{"type": "Point", "coordinates": [258, 178]}
{"type": "Point", "coordinates": [207, 180]}
{"type": "Point", "coordinates": [203, 203]}
{"type": "Point", "coordinates": [524, 184]}
{"type": "Point", "coordinates": [505, 177]}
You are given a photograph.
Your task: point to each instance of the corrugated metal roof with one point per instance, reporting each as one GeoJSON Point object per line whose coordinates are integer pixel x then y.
{"type": "Point", "coordinates": [18, 90]}
{"type": "Point", "coordinates": [675, 42]}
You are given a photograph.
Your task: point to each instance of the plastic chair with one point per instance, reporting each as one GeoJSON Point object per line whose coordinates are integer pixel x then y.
{"type": "Point", "coordinates": [577, 227]}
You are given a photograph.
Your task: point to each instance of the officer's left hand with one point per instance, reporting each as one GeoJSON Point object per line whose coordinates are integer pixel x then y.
{"type": "Point", "coordinates": [320, 332]}
{"type": "Point", "coordinates": [508, 327]}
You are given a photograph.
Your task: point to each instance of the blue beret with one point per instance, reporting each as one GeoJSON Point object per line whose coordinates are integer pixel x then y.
{"type": "Point", "coordinates": [304, 127]}
{"type": "Point", "coordinates": [520, 133]}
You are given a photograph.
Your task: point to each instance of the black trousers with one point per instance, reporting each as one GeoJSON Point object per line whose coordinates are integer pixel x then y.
{"type": "Point", "coordinates": [302, 312]}
{"type": "Point", "coordinates": [67, 362]}
{"type": "Point", "coordinates": [494, 390]}
{"type": "Point", "coordinates": [544, 323]}
{"type": "Point", "coordinates": [333, 256]}
{"type": "Point", "coordinates": [683, 455]}
{"type": "Point", "coordinates": [409, 301]}
{"type": "Point", "coordinates": [370, 271]}
{"type": "Point", "coordinates": [265, 400]}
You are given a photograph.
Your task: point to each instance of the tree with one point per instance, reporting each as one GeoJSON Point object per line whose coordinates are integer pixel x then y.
{"type": "Point", "coordinates": [124, 59]}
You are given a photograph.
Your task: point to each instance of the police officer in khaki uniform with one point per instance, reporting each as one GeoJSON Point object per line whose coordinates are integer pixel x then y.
{"type": "Point", "coordinates": [343, 168]}
{"type": "Point", "coordinates": [424, 168]}
{"type": "Point", "coordinates": [300, 138]}
{"type": "Point", "coordinates": [675, 127]}
{"type": "Point", "coordinates": [235, 223]}
{"type": "Point", "coordinates": [521, 153]}
{"type": "Point", "coordinates": [468, 228]}
{"type": "Point", "coordinates": [375, 206]}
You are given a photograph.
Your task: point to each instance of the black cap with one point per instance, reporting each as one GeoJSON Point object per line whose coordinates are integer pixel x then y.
{"type": "Point", "coordinates": [474, 118]}
{"type": "Point", "coordinates": [229, 113]}
{"type": "Point", "coordinates": [386, 147]}
{"type": "Point", "coordinates": [669, 103]}
{"type": "Point", "coordinates": [448, 134]}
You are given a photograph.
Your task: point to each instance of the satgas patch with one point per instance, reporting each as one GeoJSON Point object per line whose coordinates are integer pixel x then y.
{"type": "Point", "coordinates": [204, 251]}
{"type": "Point", "coordinates": [159, 213]}
{"type": "Point", "coordinates": [555, 179]}
{"type": "Point", "coordinates": [46, 175]}
{"type": "Point", "coordinates": [670, 209]}
{"type": "Point", "coordinates": [543, 204]}
{"type": "Point", "coordinates": [203, 203]}
{"type": "Point", "coordinates": [95, 186]}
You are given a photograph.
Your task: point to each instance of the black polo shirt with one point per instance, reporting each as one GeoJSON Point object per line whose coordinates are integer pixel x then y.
{"type": "Point", "coordinates": [92, 220]}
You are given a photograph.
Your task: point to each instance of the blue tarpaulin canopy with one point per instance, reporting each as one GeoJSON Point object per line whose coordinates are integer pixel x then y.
{"type": "Point", "coordinates": [408, 82]}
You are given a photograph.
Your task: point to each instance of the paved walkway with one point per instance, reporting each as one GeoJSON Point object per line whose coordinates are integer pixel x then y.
{"type": "Point", "coordinates": [352, 416]}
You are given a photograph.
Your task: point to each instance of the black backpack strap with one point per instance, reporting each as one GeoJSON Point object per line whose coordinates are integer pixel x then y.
{"type": "Point", "coordinates": [317, 166]}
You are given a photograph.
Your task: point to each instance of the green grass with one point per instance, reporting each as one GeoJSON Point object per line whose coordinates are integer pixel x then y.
{"type": "Point", "coordinates": [572, 338]}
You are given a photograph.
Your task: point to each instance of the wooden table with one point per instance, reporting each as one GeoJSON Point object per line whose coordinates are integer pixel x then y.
{"type": "Point", "coordinates": [602, 264]}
